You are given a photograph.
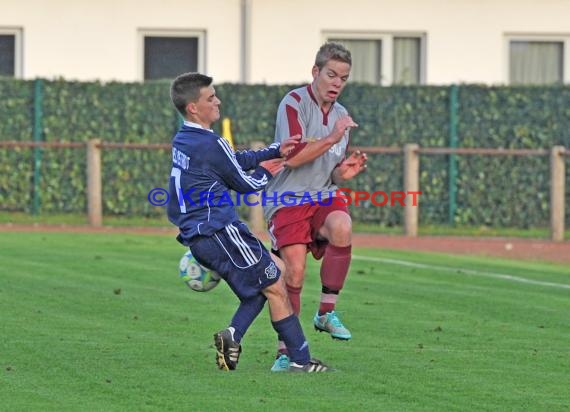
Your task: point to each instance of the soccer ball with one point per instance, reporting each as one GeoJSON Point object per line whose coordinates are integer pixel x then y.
{"type": "Point", "coordinates": [196, 276]}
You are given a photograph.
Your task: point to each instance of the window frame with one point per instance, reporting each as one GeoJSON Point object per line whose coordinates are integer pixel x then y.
{"type": "Point", "coordinates": [534, 37]}
{"type": "Point", "coordinates": [199, 34]}
{"type": "Point", "coordinates": [387, 39]}
{"type": "Point", "coordinates": [18, 34]}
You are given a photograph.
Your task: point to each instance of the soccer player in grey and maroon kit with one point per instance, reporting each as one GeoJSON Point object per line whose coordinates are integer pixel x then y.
{"type": "Point", "coordinates": [316, 167]}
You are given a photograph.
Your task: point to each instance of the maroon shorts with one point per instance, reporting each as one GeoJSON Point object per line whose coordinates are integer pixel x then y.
{"type": "Point", "coordinates": [300, 225]}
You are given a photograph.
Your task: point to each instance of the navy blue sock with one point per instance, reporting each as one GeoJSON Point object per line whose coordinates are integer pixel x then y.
{"type": "Point", "coordinates": [290, 330]}
{"type": "Point", "coordinates": [245, 314]}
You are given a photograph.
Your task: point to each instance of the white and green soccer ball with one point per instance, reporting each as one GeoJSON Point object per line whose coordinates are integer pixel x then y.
{"type": "Point", "coordinates": [196, 276]}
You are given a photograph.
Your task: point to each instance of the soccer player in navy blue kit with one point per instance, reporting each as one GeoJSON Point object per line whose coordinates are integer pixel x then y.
{"type": "Point", "coordinates": [204, 170]}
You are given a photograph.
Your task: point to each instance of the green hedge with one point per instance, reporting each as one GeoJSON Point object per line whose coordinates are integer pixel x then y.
{"type": "Point", "coordinates": [508, 191]}
{"type": "Point", "coordinates": [493, 191]}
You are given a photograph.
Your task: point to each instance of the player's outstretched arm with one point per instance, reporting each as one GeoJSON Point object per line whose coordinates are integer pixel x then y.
{"type": "Point", "coordinates": [234, 175]}
{"type": "Point", "coordinates": [250, 159]}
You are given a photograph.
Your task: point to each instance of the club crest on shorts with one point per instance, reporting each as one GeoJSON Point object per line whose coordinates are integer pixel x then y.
{"type": "Point", "coordinates": [271, 271]}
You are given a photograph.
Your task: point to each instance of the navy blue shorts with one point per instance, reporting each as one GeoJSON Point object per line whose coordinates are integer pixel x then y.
{"type": "Point", "coordinates": [239, 258]}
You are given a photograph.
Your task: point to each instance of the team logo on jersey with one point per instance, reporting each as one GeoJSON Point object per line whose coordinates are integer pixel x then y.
{"type": "Point", "coordinates": [271, 271]}
{"type": "Point", "coordinates": [337, 149]}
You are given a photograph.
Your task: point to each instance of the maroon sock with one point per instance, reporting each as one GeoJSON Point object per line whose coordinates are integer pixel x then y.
{"type": "Point", "coordinates": [334, 270]}
{"type": "Point", "coordinates": [295, 298]}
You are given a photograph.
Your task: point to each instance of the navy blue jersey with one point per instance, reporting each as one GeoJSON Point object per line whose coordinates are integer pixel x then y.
{"type": "Point", "coordinates": [205, 169]}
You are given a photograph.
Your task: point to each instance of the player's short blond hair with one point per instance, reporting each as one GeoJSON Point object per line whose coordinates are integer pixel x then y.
{"type": "Point", "coordinates": [332, 51]}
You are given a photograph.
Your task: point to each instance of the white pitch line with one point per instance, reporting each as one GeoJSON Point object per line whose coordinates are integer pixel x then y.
{"type": "Point", "coordinates": [464, 271]}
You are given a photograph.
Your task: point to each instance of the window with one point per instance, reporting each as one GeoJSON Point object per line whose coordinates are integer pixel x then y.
{"type": "Point", "coordinates": [385, 58]}
{"type": "Point", "coordinates": [10, 52]}
{"type": "Point", "coordinates": [538, 60]}
{"type": "Point", "coordinates": [168, 54]}
{"type": "Point", "coordinates": [406, 61]}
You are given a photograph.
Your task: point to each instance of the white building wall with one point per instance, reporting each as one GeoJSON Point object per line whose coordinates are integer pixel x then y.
{"type": "Point", "coordinates": [88, 40]}
{"type": "Point", "coordinates": [465, 38]}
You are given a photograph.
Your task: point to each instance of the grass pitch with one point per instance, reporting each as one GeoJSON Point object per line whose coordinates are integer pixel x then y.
{"type": "Point", "coordinates": [101, 322]}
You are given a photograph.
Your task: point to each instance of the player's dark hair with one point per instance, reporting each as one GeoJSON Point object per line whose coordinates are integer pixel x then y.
{"type": "Point", "coordinates": [332, 51]}
{"type": "Point", "coordinates": [186, 88]}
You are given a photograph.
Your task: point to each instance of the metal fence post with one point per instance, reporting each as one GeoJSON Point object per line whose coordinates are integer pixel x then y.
{"type": "Point", "coordinates": [557, 187]}
{"type": "Point", "coordinates": [38, 137]}
{"type": "Point", "coordinates": [94, 197]}
{"type": "Point", "coordinates": [452, 178]}
{"type": "Point", "coordinates": [411, 184]}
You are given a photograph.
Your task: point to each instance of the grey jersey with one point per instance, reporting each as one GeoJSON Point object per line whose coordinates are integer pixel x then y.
{"type": "Point", "coordinates": [299, 113]}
